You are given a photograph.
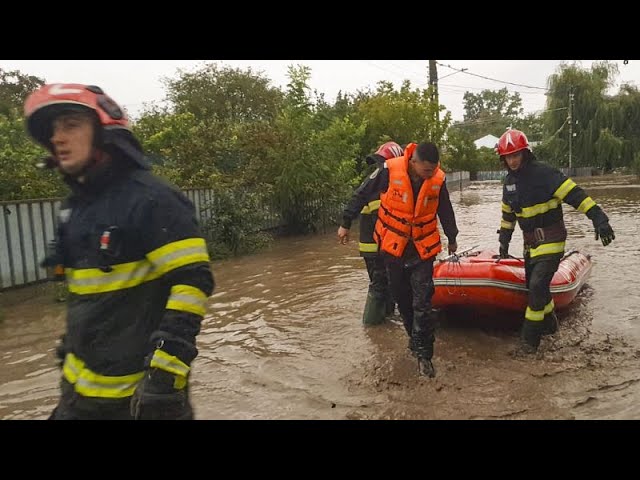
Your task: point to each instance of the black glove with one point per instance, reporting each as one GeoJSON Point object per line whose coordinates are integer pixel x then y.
{"type": "Point", "coordinates": [504, 250]}
{"type": "Point", "coordinates": [156, 398]}
{"type": "Point", "coordinates": [61, 351]}
{"type": "Point", "coordinates": [604, 232]}
{"type": "Point", "coordinates": [52, 257]}
{"type": "Point", "coordinates": [54, 260]}
{"type": "Point", "coordinates": [601, 225]}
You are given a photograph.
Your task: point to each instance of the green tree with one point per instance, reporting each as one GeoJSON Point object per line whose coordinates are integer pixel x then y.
{"type": "Point", "coordinates": [490, 112]}
{"type": "Point", "coordinates": [460, 152]}
{"type": "Point", "coordinates": [625, 121]}
{"type": "Point", "coordinates": [311, 168]}
{"type": "Point", "coordinates": [224, 94]}
{"type": "Point", "coordinates": [20, 178]}
{"type": "Point", "coordinates": [591, 114]}
{"type": "Point", "coordinates": [404, 115]}
{"type": "Point", "coordinates": [15, 86]}
{"type": "Point", "coordinates": [532, 125]}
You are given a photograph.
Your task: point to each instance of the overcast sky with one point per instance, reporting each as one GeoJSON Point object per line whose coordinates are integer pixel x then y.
{"type": "Point", "coordinates": [134, 82]}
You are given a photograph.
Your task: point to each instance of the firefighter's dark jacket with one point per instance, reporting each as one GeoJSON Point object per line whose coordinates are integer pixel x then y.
{"type": "Point", "coordinates": [533, 196]}
{"type": "Point", "coordinates": [138, 274]}
{"type": "Point", "coordinates": [369, 214]}
{"type": "Point", "coordinates": [378, 182]}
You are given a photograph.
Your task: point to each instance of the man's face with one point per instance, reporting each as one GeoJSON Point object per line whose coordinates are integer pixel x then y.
{"type": "Point", "coordinates": [72, 141]}
{"type": "Point", "coordinates": [514, 160]}
{"type": "Point", "coordinates": [424, 170]}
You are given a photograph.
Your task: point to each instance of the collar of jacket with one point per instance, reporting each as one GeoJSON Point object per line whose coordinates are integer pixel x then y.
{"type": "Point", "coordinates": [99, 177]}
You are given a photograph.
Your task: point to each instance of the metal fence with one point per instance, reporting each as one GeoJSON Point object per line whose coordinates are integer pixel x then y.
{"type": "Point", "coordinates": [457, 180]}
{"type": "Point", "coordinates": [500, 174]}
{"type": "Point", "coordinates": [26, 227]}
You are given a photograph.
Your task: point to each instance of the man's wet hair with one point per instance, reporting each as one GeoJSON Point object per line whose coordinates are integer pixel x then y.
{"type": "Point", "coordinates": [427, 152]}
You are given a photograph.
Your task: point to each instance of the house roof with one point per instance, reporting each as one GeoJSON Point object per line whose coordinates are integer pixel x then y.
{"type": "Point", "coordinates": [488, 141]}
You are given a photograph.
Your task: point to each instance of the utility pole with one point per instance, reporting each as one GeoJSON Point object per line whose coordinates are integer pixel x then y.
{"type": "Point", "coordinates": [570, 120]}
{"type": "Point", "coordinates": [433, 82]}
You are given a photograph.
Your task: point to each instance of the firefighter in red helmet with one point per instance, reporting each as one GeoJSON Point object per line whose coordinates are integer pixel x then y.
{"type": "Point", "coordinates": [136, 264]}
{"type": "Point", "coordinates": [379, 302]}
{"type": "Point", "coordinates": [532, 195]}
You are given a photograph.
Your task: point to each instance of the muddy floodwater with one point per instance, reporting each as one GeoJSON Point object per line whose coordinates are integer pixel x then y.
{"type": "Point", "coordinates": [283, 338]}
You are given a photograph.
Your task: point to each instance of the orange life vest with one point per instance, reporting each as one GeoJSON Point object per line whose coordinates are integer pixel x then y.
{"type": "Point", "coordinates": [399, 219]}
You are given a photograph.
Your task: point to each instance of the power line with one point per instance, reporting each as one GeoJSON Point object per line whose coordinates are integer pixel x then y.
{"type": "Point", "coordinates": [484, 88]}
{"type": "Point", "coordinates": [465, 71]}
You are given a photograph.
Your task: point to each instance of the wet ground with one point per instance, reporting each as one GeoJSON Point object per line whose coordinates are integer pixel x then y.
{"type": "Point", "coordinates": [283, 337]}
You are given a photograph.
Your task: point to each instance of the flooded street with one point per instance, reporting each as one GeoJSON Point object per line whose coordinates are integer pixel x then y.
{"type": "Point", "coordinates": [283, 338]}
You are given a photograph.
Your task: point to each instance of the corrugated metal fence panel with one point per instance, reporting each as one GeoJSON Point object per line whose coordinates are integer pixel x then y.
{"type": "Point", "coordinates": [491, 175]}
{"type": "Point", "coordinates": [39, 238]}
{"type": "Point", "coordinates": [6, 259]}
{"type": "Point", "coordinates": [25, 230]}
{"type": "Point", "coordinates": [13, 244]}
{"type": "Point", "coordinates": [577, 171]}
{"type": "Point", "coordinates": [457, 180]}
{"type": "Point", "coordinates": [500, 174]}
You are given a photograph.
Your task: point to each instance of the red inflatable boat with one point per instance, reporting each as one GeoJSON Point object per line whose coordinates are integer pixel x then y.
{"type": "Point", "coordinates": [480, 279]}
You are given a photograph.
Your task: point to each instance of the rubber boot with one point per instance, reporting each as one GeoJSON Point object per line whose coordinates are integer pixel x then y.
{"type": "Point", "coordinates": [530, 335]}
{"type": "Point", "coordinates": [390, 307]}
{"type": "Point", "coordinates": [422, 348]}
{"type": "Point", "coordinates": [426, 368]}
{"type": "Point", "coordinates": [374, 310]}
{"type": "Point", "coordinates": [550, 324]}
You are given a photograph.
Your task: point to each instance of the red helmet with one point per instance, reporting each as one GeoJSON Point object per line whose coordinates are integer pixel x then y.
{"type": "Point", "coordinates": [512, 141]}
{"type": "Point", "coordinates": [49, 101]}
{"type": "Point", "coordinates": [389, 150]}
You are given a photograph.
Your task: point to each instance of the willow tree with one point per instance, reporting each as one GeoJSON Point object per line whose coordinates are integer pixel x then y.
{"type": "Point", "coordinates": [625, 117]}
{"type": "Point", "coordinates": [591, 116]}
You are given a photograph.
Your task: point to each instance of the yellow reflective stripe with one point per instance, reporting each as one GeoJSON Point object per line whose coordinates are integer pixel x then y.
{"type": "Point", "coordinates": [186, 298]}
{"type": "Point", "coordinates": [538, 315]}
{"type": "Point", "coordinates": [506, 208]}
{"type": "Point", "coordinates": [548, 308]}
{"type": "Point", "coordinates": [125, 275]}
{"type": "Point", "coordinates": [540, 208]}
{"type": "Point", "coordinates": [586, 205]}
{"type": "Point", "coordinates": [547, 249]}
{"type": "Point", "coordinates": [91, 384]}
{"type": "Point", "coordinates": [169, 363]}
{"type": "Point", "coordinates": [507, 225]}
{"type": "Point", "coordinates": [178, 254]}
{"type": "Point", "coordinates": [368, 247]}
{"type": "Point", "coordinates": [370, 207]}
{"type": "Point", "coordinates": [72, 367]}
{"type": "Point", "coordinates": [534, 315]}
{"type": "Point", "coordinates": [564, 189]}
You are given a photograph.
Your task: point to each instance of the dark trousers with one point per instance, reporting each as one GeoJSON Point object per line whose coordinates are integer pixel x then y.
{"type": "Point", "coordinates": [412, 289]}
{"type": "Point", "coordinates": [73, 406]}
{"type": "Point", "coordinates": [378, 279]}
{"type": "Point", "coordinates": [539, 274]}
